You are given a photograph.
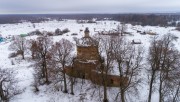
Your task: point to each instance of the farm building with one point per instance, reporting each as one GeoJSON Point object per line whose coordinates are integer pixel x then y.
{"type": "Point", "coordinates": [1, 38]}
{"type": "Point", "coordinates": [136, 41]}
{"type": "Point", "coordinates": [23, 35]}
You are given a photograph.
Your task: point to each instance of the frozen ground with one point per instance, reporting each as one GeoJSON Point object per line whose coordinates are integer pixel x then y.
{"type": "Point", "coordinates": [47, 94]}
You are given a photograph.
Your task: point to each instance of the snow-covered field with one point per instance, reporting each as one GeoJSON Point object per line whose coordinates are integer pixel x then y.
{"type": "Point", "coordinates": [47, 94]}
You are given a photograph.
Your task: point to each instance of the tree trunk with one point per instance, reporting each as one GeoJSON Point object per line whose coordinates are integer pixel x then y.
{"type": "Point", "coordinates": [151, 86]}
{"type": "Point", "coordinates": [2, 96]}
{"type": "Point", "coordinates": [121, 83]}
{"type": "Point", "coordinates": [46, 71]}
{"type": "Point", "coordinates": [65, 85]}
{"type": "Point", "coordinates": [105, 89]}
{"type": "Point", "coordinates": [122, 95]}
{"type": "Point", "coordinates": [43, 72]}
{"type": "Point", "coordinates": [176, 94]}
{"type": "Point", "coordinates": [72, 78]}
{"type": "Point", "coordinates": [23, 55]}
{"type": "Point", "coordinates": [105, 94]}
{"type": "Point", "coordinates": [32, 55]}
{"type": "Point", "coordinates": [43, 69]}
{"type": "Point", "coordinates": [72, 86]}
{"type": "Point", "coordinates": [160, 89]}
{"type": "Point", "coordinates": [64, 77]}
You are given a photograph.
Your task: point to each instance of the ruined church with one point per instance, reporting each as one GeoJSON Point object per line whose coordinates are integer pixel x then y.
{"type": "Point", "coordinates": [87, 62]}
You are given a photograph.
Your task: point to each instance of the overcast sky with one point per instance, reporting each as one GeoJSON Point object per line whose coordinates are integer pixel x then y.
{"type": "Point", "coordinates": [88, 6]}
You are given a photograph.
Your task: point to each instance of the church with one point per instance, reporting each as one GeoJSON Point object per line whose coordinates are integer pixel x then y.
{"type": "Point", "coordinates": [87, 62]}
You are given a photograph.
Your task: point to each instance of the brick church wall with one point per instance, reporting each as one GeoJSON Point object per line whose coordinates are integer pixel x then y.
{"type": "Point", "coordinates": [87, 52]}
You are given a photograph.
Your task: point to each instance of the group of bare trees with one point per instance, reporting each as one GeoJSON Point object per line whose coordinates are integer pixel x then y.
{"type": "Point", "coordinates": [129, 60]}
{"type": "Point", "coordinates": [162, 67]}
{"type": "Point", "coordinates": [119, 51]}
{"type": "Point", "coordinates": [8, 85]}
{"type": "Point", "coordinates": [51, 60]}
{"type": "Point", "coordinates": [163, 71]}
{"type": "Point", "coordinates": [62, 56]}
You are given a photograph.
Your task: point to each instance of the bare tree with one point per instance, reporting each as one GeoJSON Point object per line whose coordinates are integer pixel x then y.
{"type": "Point", "coordinates": [8, 85]}
{"type": "Point", "coordinates": [129, 60]}
{"type": "Point", "coordinates": [43, 64]}
{"type": "Point", "coordinates": [169, 66]}
{"type": "Point", "coordinates": [166, 65]}
{"type": "Point", "coordinates": [71, 78]}
{"type": "Point", "coordinates": [153, 60]}
{"type": "Point", "coordinates": [121, 28]}
{"type": "Point", "coordinates": [106, 60]}
{"type": "Point", "coordinates": [19, 45]}
{"type": "Point", "coordinates": [33, 48]}
{"type": "Point", "coordinates": [62, 55]}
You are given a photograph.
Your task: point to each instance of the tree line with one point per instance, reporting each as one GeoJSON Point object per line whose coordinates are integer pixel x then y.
{"type": "Point", "coordinates": [135, 19]}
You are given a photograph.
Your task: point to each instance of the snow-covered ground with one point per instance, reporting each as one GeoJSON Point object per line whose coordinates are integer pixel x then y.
{"type": "Point", "coordinates": [25, 70]}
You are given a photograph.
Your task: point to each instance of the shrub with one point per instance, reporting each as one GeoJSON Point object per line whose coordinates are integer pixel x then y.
{"type": "Point", "coordinates": [66, 30]}
{"type": "Point", "coordinates": [58, 32]}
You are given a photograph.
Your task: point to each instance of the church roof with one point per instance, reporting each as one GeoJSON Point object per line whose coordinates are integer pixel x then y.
{"type": "Point", "coordinates": [86, 41]}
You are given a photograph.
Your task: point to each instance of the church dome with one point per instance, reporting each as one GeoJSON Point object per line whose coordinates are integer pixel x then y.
{"type": "Point", "coordinates": [86, 40]}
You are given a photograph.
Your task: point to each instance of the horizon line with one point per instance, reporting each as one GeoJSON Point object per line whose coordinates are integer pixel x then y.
{"type": "Point", "coordinates": [88, 13]}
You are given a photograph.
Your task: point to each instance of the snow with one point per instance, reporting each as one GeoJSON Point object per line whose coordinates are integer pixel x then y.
{"type": "Point", "coordinates": [86, 41]}
{"type": "Point", "coordinates": [47, 94]}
